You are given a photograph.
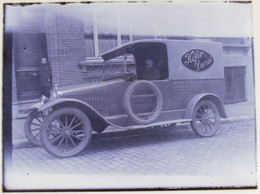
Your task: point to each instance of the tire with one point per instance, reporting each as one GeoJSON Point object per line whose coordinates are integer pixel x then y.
{"type": "Point", "coordinates": [66, 132]}
{"type": "Point", "coordinates": [205, 119]}
{"type": "Point", "coordinates": [32, 127]}
{"type": "Point", "coordinates": [154, 114]}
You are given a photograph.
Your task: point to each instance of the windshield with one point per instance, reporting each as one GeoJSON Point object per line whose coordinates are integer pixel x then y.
{"type": "Point", "coordinates": [148, 61]}
{"type": "Point", "coordinates": [118, 66]}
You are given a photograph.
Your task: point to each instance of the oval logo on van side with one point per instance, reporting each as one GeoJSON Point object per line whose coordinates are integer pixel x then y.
{"type": "Point", "coordinates": [197, 60]}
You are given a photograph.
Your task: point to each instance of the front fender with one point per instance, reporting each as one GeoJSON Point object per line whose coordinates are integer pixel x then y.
{"type": "Point", "coordinates": [205, 96]}
{"type": "Point", "coordinates": [33, 107]}
{"type": "Point", "coordinates": [37, 105]}
{"type": "Point", "coordinates": [98, 121]}
{"type": "Point", "coordinates": [65, 100]}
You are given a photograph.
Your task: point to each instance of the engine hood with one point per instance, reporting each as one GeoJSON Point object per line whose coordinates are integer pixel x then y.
{"type": "Point", "coordinates": [90, 88]}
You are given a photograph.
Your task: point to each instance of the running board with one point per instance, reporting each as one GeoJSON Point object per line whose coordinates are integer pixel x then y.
{"type": "Point", "coordinates": [151, 125]}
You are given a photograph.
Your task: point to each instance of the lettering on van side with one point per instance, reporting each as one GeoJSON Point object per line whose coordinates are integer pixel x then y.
{"type": "Point", "coordinates": [197, 60]}
{"type": "Point", "coordinates": [181, 85]}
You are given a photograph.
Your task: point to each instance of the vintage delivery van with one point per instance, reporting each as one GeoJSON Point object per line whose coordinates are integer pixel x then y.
{"type": "Point", "coordinates": [174, 81]}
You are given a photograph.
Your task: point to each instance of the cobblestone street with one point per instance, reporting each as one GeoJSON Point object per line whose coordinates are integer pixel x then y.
{"type": "Point", "coordinates": [155, 151]}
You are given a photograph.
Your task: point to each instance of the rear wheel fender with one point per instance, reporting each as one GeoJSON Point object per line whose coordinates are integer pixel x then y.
{"type": "Point", "coordinates": [205, 96]}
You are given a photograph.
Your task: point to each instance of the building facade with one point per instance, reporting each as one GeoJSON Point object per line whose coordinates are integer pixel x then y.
{"type": "Point", "coordinates": [73, 41]}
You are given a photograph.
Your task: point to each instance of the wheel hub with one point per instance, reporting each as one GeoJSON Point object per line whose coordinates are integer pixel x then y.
{"type": "Point", "coordinates": [66, 132]}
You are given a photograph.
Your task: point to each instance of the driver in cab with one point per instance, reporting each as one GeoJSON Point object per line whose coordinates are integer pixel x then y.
{"type": "Point", "coordinates": [150, 71]}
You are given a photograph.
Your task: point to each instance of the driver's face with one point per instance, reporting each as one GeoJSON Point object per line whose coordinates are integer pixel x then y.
{"type": "Point", "coordinates": [148, 63]}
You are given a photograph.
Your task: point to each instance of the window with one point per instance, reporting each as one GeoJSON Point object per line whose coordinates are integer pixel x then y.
{"type": "Point", "coordinates": [107, 32]}
{"type": "Point", "coordinates": [140, 37]}
{"type": "Point", "coordinates": [143, 28]}
{"type": "Point", "coordinates": [104, 32]}
{"type": "Point", "coordinates": [125, 29]}
{"type": "Point", "coordinates": [89, 36]}
{"type": "Point", "coordinates": [151, 61]}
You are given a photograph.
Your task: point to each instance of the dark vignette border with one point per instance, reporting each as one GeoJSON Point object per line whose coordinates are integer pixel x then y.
{"type": "Point", "coordinates": [7, 102]}
{"type": "Point", "coordinates": [7, 118]}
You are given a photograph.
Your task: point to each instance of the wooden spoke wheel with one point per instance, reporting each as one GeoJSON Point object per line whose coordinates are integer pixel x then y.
{"type": "Point", "coordinates": [32, 127]}
{"type": "Point", "coordinates": [66, 132]}
{"type": "Point", "coordinates": [205, 119]}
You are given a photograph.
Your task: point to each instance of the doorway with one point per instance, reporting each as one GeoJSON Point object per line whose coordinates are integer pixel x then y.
{"type": "Point", "coordinates": [235, 84]}
{"type": "Point", "coordinates": [29, 49]}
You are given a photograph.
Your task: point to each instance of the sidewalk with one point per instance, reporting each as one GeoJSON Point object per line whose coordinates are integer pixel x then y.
{"type": "Point", "coordinates": [238, 111]}
{"type": "Point", "coordinates": [235, 112]}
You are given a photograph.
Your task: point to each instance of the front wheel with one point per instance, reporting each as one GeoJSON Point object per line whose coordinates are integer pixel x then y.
{"type": "Point", "coordinates": [66, 132]}
{"type": "Point", "coordinates": [205, 119]}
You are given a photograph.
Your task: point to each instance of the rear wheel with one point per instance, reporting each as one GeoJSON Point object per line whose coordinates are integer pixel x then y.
{"type": "Point", "coordinates": [66, 132]}
{"type": "Point", "coordinates": [32, 127]}
{"type": "Point", "coordinates": [205, 119]}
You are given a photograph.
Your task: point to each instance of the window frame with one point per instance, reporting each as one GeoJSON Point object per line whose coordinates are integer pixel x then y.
{"type": "Point", "coordinates": [119, 35]}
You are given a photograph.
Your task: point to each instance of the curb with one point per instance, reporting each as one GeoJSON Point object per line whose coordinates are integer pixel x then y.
{"type": "Point", "coordinates": [237, 119]}
{"type": "Point", "coordinates": [24, 143]}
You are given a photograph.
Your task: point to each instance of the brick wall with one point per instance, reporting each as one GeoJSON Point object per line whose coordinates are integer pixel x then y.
{"type": "Point", "coordinates": [66, 46]}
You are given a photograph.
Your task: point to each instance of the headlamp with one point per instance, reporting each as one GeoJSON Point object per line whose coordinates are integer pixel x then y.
{"type": "Point", "coordinates": [54, 92]}
{"type": "Point", "coordinates": [43, 99]}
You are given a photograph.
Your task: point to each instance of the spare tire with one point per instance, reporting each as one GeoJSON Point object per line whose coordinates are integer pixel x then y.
{"type": "Point", "coordinates": [149, 107]}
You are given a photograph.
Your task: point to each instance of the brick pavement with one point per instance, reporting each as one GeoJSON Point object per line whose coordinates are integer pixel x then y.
{"type": "Point", "coordinates": [178, 151]}
{"type": "Point", "coordinates": [165, 152]}
{"type": "Point", "coordinates": [153, 152]}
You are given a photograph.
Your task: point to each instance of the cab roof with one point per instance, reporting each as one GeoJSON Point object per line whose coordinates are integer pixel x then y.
{"type": "Point", "coordinates": [128, 48]}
